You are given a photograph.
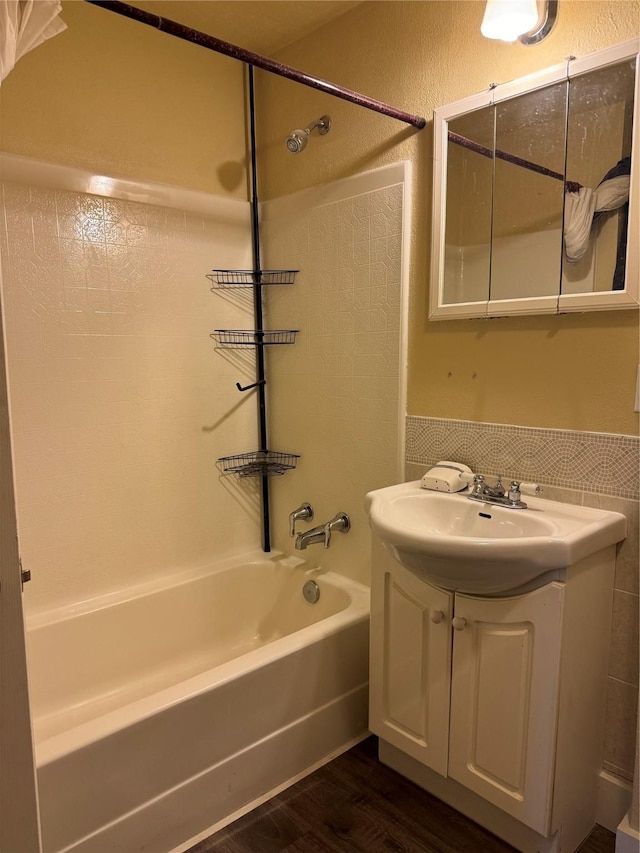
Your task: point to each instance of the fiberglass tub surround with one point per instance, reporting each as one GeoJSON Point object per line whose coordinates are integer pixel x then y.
{"type": "Point", "coordinates": [161, 710]}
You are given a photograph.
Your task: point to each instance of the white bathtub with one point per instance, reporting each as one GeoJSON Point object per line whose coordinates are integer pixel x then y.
{"type": "Point", "coordinates": [162, 710]}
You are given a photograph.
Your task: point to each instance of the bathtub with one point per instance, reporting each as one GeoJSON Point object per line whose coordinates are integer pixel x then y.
{"type": "Point", "coordinates": [165, 710]}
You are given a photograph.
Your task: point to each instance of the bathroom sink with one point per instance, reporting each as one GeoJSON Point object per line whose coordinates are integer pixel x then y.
{"type": "Point", "coordinates": [465, 545]}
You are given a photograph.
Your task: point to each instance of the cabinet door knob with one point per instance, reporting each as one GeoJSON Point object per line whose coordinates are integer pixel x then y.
{"type": "Point", "coordinates": [459, 623]}
{"type": "Point", "coordinates": [437, 616]}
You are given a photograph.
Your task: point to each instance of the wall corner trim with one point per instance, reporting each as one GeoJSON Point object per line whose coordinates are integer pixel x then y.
{"type": "Point", "coordinates": [614, 799]}
{"type": "Point", "coordinates": [24, 170]}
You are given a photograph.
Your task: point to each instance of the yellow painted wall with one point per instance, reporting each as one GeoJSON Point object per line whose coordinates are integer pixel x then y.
{"type": "Point", "coordinates": [119, 98]}
{"type": "Point", "coordinates": [573, 372]}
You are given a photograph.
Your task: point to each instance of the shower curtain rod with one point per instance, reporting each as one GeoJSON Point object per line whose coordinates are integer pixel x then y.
{"type": "Point", "coordinates": [255, 59]}
{"type": "Point", "coordinates": [458, 139]}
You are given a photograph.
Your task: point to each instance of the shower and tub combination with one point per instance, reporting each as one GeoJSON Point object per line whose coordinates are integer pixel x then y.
{"type": "Point", "coordinates": [164, 709]}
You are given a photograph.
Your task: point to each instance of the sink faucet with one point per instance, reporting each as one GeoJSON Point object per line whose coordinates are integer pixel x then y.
{"type": "Point", "coordinates": [481, 488]}
{"type": "Point", "coordinates": [322, 533]}
{"type": "Point", "coordinates": [481, 491]}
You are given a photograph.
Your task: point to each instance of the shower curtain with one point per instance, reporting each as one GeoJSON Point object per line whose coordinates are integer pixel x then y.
{"type": "Point", "coordinates": [25, 24]}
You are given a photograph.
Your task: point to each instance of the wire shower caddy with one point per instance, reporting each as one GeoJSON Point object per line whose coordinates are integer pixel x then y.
{"type": "Point", "coordinates": [221, 279]}
{"type": "Point", "coordinates": [259, 463]}
{"type": "Point", "coordinates": [238, 338]}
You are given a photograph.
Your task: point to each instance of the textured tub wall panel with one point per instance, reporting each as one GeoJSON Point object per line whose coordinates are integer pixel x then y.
{"type": "Point", "coordinates": [590, 469]}
{"type": "Point", "coordinates": [334, 395]}
{"type": "Point", "coordinates": [120, 403]}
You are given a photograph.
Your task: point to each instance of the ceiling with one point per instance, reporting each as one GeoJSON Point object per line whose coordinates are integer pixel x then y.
{"type": "Point", "coordinates": [262, 26]}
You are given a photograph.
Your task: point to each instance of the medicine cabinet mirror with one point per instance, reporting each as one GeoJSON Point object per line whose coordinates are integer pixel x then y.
{"type": "Point", "coordinates": [536, 193]}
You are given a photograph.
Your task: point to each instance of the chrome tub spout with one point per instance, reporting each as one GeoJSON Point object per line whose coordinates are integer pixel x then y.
{"type": "Point", "coordinates": [322, 533]}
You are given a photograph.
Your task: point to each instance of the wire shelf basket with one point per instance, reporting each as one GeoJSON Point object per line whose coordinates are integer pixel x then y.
{"type": "Point", "coordinates": [259, 463]}
{"type": "Point", "coordinates": [247, 278]}
{"type": "Point", "coordinates": [237, 338]}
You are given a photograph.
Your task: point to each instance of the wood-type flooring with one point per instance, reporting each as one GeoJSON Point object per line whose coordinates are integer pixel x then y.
{"type": "Point", "coordinates": [355, 803]}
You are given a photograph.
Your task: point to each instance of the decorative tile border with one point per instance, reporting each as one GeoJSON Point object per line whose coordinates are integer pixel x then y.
{"type": "Point", "coordinates": [603, 463]}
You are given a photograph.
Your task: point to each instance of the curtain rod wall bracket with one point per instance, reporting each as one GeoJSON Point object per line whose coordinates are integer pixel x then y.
{"type": "Point", "coordinates": [254, 59]}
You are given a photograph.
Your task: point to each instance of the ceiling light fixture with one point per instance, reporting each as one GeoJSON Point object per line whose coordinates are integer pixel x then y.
{"type": "Point", "coordinates": [527, 21]}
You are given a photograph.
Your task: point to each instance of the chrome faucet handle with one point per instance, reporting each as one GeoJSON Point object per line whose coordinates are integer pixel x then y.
{"type": "Point", "coordinates": [514, 492]}
{"type": "Point", "coordinates": [305, 511]}
{"type": "Point", "coordinates": [341, 522]}
{"type": "Point", "coordinates": [478, 483]}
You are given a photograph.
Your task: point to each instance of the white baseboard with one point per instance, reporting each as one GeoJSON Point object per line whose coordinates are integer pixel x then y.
{"type": "Point", "coordinates": [614, 799]}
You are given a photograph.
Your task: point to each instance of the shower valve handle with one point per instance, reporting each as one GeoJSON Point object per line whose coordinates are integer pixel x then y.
{"type": "Point", "coordinates": [305, 511]}
{"type": "Point", "coordinates": [341, 522]}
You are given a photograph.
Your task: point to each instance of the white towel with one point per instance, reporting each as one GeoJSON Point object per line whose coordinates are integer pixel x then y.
{"type": "Point", "coordinates": [579, 210]}
{"type": "Point", "coordinates": [25, 24]}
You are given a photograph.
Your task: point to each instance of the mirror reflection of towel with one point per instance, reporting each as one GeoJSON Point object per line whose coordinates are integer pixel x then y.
{"type": "Point", "coordinates": [581, 209]}
{"type": "Point", "coordinates": [586, 206]}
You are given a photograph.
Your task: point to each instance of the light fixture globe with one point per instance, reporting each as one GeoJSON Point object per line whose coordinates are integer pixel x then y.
{"type": "Point", "coordinates": [507, 19]}
{"type": "Point", "coordinates": [511, 20]}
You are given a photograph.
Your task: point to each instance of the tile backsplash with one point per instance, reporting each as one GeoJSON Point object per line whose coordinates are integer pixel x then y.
{"type": "Point", "coordinates": [585, 468]}
{"type": "Point", "coordinates": [587, 461]}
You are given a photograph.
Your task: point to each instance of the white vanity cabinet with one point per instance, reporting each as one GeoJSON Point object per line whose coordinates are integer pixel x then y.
{"type": "Point", "coordinates": [481, 700]}
{"type": "Point", "coordinates": [410, 669]}
{"type": "Point", "coordinates": [504, 699]}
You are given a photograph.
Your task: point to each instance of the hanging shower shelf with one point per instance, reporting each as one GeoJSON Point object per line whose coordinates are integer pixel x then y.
{"type": "Point", "coordinates": [237, 338]}
{"type": "Point", "coordinates": [259, 463]}
{"type": "Point", "coordinates": [247, 278]}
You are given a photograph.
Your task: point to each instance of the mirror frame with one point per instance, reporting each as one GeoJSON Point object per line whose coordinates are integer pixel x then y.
{"type": "Point", "coordinates": [557, 303]}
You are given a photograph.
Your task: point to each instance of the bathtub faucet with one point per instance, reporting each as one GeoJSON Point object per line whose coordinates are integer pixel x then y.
{"type": "Point", "coordinates": [322, 533]}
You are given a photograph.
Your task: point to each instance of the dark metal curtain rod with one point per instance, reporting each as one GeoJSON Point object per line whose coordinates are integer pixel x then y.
{"type": "Point", "coordinates": [235, 52]}
{"type": "Point", "coordinates": [571, 186]}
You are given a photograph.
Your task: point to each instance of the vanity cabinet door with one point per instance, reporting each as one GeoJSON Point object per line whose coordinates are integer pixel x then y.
{"type": "Point", "coordinates": [504, 700]}
{"type": "Point", "coordinates": [411, 665]}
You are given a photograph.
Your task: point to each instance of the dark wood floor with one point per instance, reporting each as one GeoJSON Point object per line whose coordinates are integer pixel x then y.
{"type": "Point", "coordinates": [356, 803]}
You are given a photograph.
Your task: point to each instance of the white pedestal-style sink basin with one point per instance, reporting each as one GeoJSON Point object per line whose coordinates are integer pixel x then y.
{"type": "Point", "coordinates": [464, 545]}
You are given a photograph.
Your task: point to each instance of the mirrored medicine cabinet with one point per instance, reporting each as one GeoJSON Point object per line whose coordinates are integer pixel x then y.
{"type": "Point", "coordinates": [536, 193]}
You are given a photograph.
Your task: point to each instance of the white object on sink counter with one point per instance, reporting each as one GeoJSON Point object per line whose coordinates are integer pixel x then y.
{"type": "Point", "coordinates": [448, 477]}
